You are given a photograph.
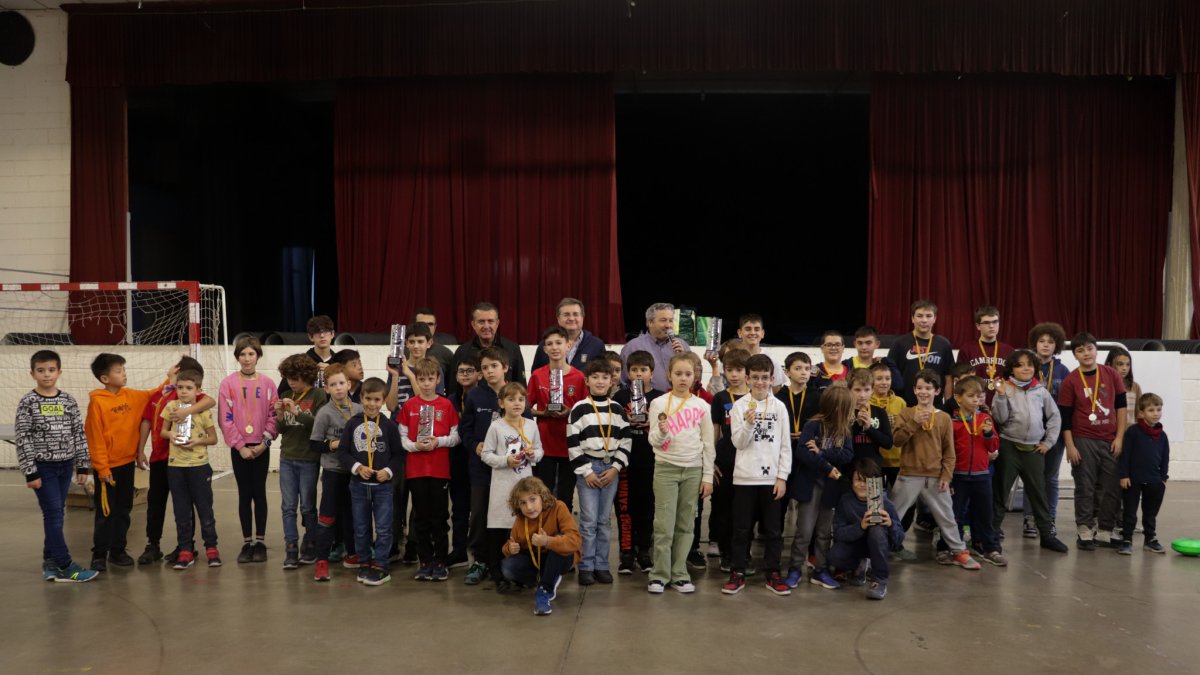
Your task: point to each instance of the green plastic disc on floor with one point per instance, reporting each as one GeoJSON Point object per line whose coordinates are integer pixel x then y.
{"type": "Point", "coordinates": [1187, 546]}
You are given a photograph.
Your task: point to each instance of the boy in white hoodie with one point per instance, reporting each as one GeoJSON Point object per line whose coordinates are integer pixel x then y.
{"type": "Point", "coordinates": [760, 428]}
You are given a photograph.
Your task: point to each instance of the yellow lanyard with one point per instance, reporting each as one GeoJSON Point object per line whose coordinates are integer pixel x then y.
{"type": "Point", "coordinates": [972, 426]}
{"type": "Point", "coordinates": [371, 440]}
{"type": "Point", "coordinates": [605, 435]}
{"type": "Point", "coordinates": [917, 345]}
{"type": "Point", "coordinates": [882, 402]}
{"type": "Point", "coordinates": [345, 413]}
{"type": "Point", "coordinates": [670, 397]}
{"type": "Point", "coordinates": [797, 411]}
{"type": "Point", "coordinates": [520, 432]}
{"type": "Point", "coordinates": [1050, 374]}
{"type": "Point", "coordinates": [299, 398]}
{"type": "Point", "coordinates": [928, 426]}
{"type": "Point", "coordinates": [829, 374]}
{"type": "Point", "coordinates": [991, 361]}
{"type": "Point", "coordinates": [1095, 389]}
{"type": "Point", "coordinates": [535, 552]}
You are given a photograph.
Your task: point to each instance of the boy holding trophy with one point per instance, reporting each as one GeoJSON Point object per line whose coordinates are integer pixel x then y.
{"type": "Point", "coordinates": [553, 390]}
{"type": "Point", "coordinates": [866, 525]}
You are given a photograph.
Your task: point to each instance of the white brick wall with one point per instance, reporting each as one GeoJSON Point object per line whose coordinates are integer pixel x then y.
{"type": "Point", "coordinates": [35, 156]}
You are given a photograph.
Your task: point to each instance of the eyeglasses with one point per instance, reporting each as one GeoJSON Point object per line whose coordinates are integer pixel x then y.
{"type": "Point", "coordinates": [466, 371]}
{"type": "Point", "coordinates": [833, 345]}
{"type": "Point", "coordinates": [990, 322]}
{"type": "Point", "coordinates": [760, 378]}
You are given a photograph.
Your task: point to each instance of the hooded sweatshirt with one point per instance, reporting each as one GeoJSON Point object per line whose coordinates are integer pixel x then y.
{"type": "Point", "coordinates": [1026, 413]}
{"type": "Point", "coordinates": [114, 421]}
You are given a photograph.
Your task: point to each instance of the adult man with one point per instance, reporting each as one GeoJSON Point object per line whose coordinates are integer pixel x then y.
{"type": "Point", "coordinates": [437, 347]}
{"type": "Point", "coordinates": [485, 321]}
{"type": "Point", "coordinates": [582, 346]}
{"type": "Point", "coordinates": [660, 318]}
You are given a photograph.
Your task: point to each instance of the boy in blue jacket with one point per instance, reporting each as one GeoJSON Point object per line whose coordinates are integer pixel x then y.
{"type": "Point", "coordinates": [855, 537]}
{"type": "Point", "coordinates": [1142, 468]}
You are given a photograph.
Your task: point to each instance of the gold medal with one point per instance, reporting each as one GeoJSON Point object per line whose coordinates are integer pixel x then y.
{"type": "Point", "coordinates": [991, 385]}
{"type": "Point", "coordinates": [753, 404]}
{"type": "Point", "coordinates": [662, 417]}
{"type": "Point", "coordinates": [249, 428]}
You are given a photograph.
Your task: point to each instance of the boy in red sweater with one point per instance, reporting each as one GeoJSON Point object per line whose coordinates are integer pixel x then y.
{"type": "Point", "coordinates": [976, 446]}
{"type": "Point", "coordinates": [555, 469]}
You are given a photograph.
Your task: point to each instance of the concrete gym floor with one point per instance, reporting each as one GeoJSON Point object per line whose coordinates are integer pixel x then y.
{"type": "Point", "coordinates": [1045, 612]}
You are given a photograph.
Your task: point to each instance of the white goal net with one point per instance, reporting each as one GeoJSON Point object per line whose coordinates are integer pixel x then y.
{"type": "Point", "coordinates": [151, 324]}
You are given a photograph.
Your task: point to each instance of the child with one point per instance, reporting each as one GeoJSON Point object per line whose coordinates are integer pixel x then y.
{"type": "Point", "coordinates": [682, 439]}
{"type": "Point", "coordinates": [830, 369]}
{"type": "Point", "coordinates": [1029, 423]}
{"type": "Point", "coordinates": [466, 374]}
{"type": "Point", "coordinates": [751, 333]}
{"type": "Point", "coordinates": [370, 450]}
{"type": "Point", "coordinates": [599, 445]}
{"type": "Point", "coordinates": [189, 473]}
{"type": "Point", "coordinates": [160, 489]}
{"type": "Point", "coordinates": [866, 343]}
{"type": "Point", "coordinates": [417, 340]}
{"type": "Point", "coordinates": [428, 467]}
{"type": "Point", "coordinates": [1143, 472]}
{"type": "Point", "coordinates": [555, 470]}
{"type": "Point", "coordinates": [855, 537]}
{"type": "Point", "coordinates": [1120, 360]}
{"type": "Point", "coordinates": [800, 395]}
{"type": "Point", "coordinates": [635, 488]}
{"type": "Point", "coordinates": [949, 404]}
{"type": "Point", "coordinates": [826, 442]}
{"type": "Point", "coordinates": [720, 516]}
{"type": "Point", "coordinates": [543, 543]}
{"type": "Point", "coordinates": [113, 420]}
{"type": "Point", "coordinates": [1092, 403]}
{"type": "Point", "coordinates": [1047, 340]}
{"type": "Point", "coordinates": [244, 404]}
{"type": "Point", "coordinates": [51, 448]}
{"type": "Point", "coordinates": [762, 435]}
{"type": "Point", "coordinates": [320, 333]}
{"type": "Point", "coordinates": [354, 372]}
{"type": "Point", "coordinates": [299, 464]}
{"type": "Point", "coordinates": [512, 447]}
{"type": "Point", "coordinates": [334, 510]}
{"type": "Point", "coordinates": [988, 360]}
{"type": "Point", "coordinates": [883, 397]}
{"type": "Point", "coordinates": [617, 366]}
{"type": "Point", "coordinates": [927, 463]}
{"type": "Point", "coordinates": [921, 350]}
{"type": "Point", "coordinates": [976, 445]}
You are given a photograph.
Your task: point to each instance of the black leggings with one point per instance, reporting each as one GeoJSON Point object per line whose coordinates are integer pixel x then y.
{"type": "Point", "coordinates": [251, 476]}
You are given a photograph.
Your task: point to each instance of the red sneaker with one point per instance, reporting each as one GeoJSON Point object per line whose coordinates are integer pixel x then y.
{"type": "Point", "coordinates": [184, 560]}
{"type": "Point", "coordinates": [350, 562]}
{"type": "Point", "coordinates": [321, 571]}
{"type": "Point", "coordinates": [214, 556]}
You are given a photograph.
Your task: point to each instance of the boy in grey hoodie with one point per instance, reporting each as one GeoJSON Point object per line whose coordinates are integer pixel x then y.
{"type": "Point", "coordinates": [1029, 422]}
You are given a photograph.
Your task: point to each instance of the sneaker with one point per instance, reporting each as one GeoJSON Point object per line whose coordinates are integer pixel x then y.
{"type": "Point", "coordinates": [876, 590]}
{"type": "Point", "coordinates": [683, 586]}
{"type": "Point", "coordinates": [996, 558]}
{"type": "Point", "coordinates": [1085, 544]}
{"type": "Point", "coordinates": [350, 562]}
{"type": "Point", "coordinates": [628, 563]}
{"type": "Point", "coordinates": [424, 573]}
{"type": "Point", "coordinates": [337, 553]}
{"type": "Point", "coordinates": [213, 555]}
{"type": "Point", "coordinates": [944, 558]}
{"type": "Point", "coordinates": [724, 565]}
{"type": "Point", "coordinates": [776, 585]}
{"type": "Point", "coordinates": [793, 578]}
{"type": "Point", "coordinates": [655, 586]}
{"type": "Point", "coordinates": [823, 579]}
{"type": "Point", "coordinates": [1030, 530]}
{"type": "Point", "coordinates": [541, 602]}
{"type": "Point", "coordinates": [750, 570]}
{"type": "Point", "coordinates": [121, 558]}
{"type": "Point", "coordinates": [476, 573]}
{"type": "Point", "coordinates": [1105, 538]}
{"type": "Point", "coordinates": [151, 555]}
{"type": "Point", "coordinates": [308, 555]}
{"type": "Point", "coordinates": [1154, 547]}
{"type": "Point", "coordinates": [737, 581]}
{"type": "Point", "coordinates": [696, 561]}
{"type": "Point", "coordinates": [554, 591]}
{"type": "Point", "coordinates": [504, 586]}
{"type": "Point", "coordinates": [74, 574]}
{"type": "Point", "coordinates": [457, 559]}
{"type": "Point", "coordinates": [645, 563]}
{"type": "Point", "coordinates": [1053, 544]}
{"type": "Point", "coordinates": [603, 577]}
{"type": "Point", "coordinates": [438, 572]}
{"type": "Point", "coordinates": [586, 578]}
{"type": "Point", "coordinates": [1000, 534]}
{"type": "Point", "coordinates": [1126, 548]}
{"type": "Point", "coordinates": [99, 564]}
{"type": "Point", "coordinates": [49, 570]}
{"type": "Point", "coordinates": [928, 527]}
{"type": "Point", "coordinates": [364, 571]}
{"type": "Point", "coordinates": [247, 553]}
{"type": "Point", "coordinates": [714, 550]}
{"type": "Point", "coordinates": [377, 577]}
{"type": "Point", "coordinates": [321, 571]}
{"type": "Point", "coordinates": [410, 557]}
{"type": "Point", "coordinates": [260, 552]}
{"type": "Point", "coordinates": [906, 554]}
{"type": "Point", "coordinates": [858, 580]}
{"type": "Point", "coordinates": [965, 561]}
{"type": "Point", "coordinates": [291, 557]}
{"type": "Point", "coordinates": [395, 557]}
{"type": "Point", "coordinates": [184, 561]}
{"type": "Point", "coordinates": [174, 554]}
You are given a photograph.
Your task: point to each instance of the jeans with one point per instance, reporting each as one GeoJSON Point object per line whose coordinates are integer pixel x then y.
{"type": "Point", "coordinates": [334, 513]}
{"type": "Point", "coordinates": [676, 489]}
{"type": "Point", "coordinates": [191, 487]}
{"type": "Point", "coordinates": [52, 497]}
{"type": "Point", "coordinates": [595, 507]}
{"type": "Point", "coordinates": [806, 524]}
{"type": "Point", "coordinates": [1151, 495]}
{"type": "Point", "coordinates": [521, 569]}
{"type": "Point", "coordinates": [369, 500]}
{"type": "Point", "coordinates": [1053, 462]}
{"type": "Point", "coordinates": [845, 556]}
{"type": "Point", "coordinates": [298, 480]}
{"type": "Point", "coordinates": [110, 531]}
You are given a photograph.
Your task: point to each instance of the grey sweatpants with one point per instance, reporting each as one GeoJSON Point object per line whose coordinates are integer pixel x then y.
{"type": "Point", "coordinates": [909, 489]}
{"type": "Point", "coordinates": [806, 521]}
{"type": "Point", "coordinates": [1097, 488]}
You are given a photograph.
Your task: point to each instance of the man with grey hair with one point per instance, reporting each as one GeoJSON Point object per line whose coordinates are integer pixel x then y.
{"type": "Point", "coordinates": [660, 318]}
{"type": "Point", "coordinates": [582, 346]}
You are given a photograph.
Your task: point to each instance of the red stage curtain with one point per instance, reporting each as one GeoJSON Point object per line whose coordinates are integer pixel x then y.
{"type": "Point", "coordinates": [1191, 133]}
{"type": "Point", "coordinates": [1048, 198]}
{"type": "Point", "coordinates": [450, 192]}
{"type": "Point", "coordinates": [99, 195]}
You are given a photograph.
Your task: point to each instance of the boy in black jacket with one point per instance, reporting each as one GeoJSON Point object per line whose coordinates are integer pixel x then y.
{"type": "Point", "coordinates": [635, 492]}
{"type": "Point", "coordinates": [1142, 468]}
{"type": "Point", "coordinates": [370, 448]}
{"type": "Point", "coordinates": [855, 537]}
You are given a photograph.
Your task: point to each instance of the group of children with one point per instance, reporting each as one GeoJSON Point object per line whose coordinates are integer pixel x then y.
{"type": "Point", "coordinates": [950, 439]}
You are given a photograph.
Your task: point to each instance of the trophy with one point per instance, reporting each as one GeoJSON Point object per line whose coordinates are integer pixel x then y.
{"type": "Point", "coordinates": [637, 402]}
{"type": "Point", "coordinates": [556, 391]}
{"type": "Point", "coordinates": [875, 500]}
{"type": "Point", "coordinates": [183, 430]}
{"type": "Point", "coordinates": [320, 384]}
{"type": "Point", "coordinates": [714, 337]}
{"type": "Point", "coordinates": [396, 354]}
{"type": "Point", "coordinates": [425, 422]}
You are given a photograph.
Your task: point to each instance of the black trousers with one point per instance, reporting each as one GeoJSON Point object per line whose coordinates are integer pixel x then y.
{"type": "Point", "coordinates": [191, 488]}
{"type": "Point", "coordinates": [251, 477]}
{"type": "Point", "coordinates": [156, 502]}
{"type": "Point", "coordinates": [431, 513]}
{"type": "Point", "coordinates": [477, 540]}
{"type": "Point", "coordinates": [334, 515]}
{"type": "Point", "coordinates": [720, 518]}
{"type": "Point", "coordinates": [750, 502]}
{"type": "Point", "coordinates": [110, 531]}
{"type": "Point", "coordinates": [559, 476]}
{"type": "Point", "coordinates": [1151, 496]}
{"type": "Point", "coordinates": [460, 497]}
{"type": "Point", "coordinates": [635, 507]}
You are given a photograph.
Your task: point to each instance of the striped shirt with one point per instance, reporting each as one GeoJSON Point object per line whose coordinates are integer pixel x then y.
{"type": "Point", "coordinates": [597, 429]}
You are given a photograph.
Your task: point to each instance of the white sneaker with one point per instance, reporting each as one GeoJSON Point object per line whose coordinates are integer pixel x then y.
{"type": "Point", "coordinates": [714, 551]}
{"type": "Point", "coordinates": [1104, 537]}
{"type": "Point", "coordinates": [683, 586]}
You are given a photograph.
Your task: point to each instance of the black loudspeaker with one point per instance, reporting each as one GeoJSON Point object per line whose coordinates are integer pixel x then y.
{"type": "Point", "coordinates": [16, 38]}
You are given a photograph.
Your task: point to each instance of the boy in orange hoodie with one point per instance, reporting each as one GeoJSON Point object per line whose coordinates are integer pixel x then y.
{"type": "Point", "coordinates": [544, 542]}
{"type": "Point", "coordinates": [113, 424]}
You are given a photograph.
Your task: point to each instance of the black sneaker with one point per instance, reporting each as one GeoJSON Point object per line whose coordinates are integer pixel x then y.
{"type": "Point", "coordinates": [409, 557]}
{"type": "Point", "coordinates": [151, 555]}
{"type": "Point", "coordinates": [308, 555]}
{"type": "Point", "coordinates": [627, 565]}
{"type": "Point", "coordinates": [99, 564]}
{"type": "Point", "coordinates": [291, 557]}
{"type": "Point", "coordinates": [1085, 544]}
{"type": "Point", "coordinates": [645, 563]}
{"type": "Point", "coordinates": [724, 565]}
{"type": "Point", "coordinates": [1053, 544]}
{"type": "Point", "coordinates": [586, 578]}
{"type": "Point", "coordinates": [605, 577]}
{"type": "Point", "coordinates": [697, 561]}
{"type": "Point", "coordinates": [171, 557]}
{"type": "Point", "coordinates": [121, 558]}
{"type": "Point", "coordinates": [504, 586]}
{"type": "Point", "coordinates": [260, 552]}
{"type": "Point", "coordinates": [247, 553]}
{"type": "Point", "coordinates": [457, 559]}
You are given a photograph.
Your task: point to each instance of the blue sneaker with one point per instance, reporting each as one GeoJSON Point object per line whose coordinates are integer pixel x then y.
{"type": "Point", "coordinates": [1126, 548]}
{"type": "Point", "coordinates": [424, 573]}
{"type": "Point", "coordinates": [364, 571]}
{"type": "Point", "coordinates": [541, 605]}
{"type": "Point", "coordinates": [1154, 547]}
{"type": "Point", "coordinates": [824, 579]}
{"type": "Point", "coordinates": [793, 578]}
{"type": "Point", "coordinates": [438, 572]}
{"type": "Point", "coordinates": [74, 574]}
{"type": "Point", "coordinates": [49, 570]}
